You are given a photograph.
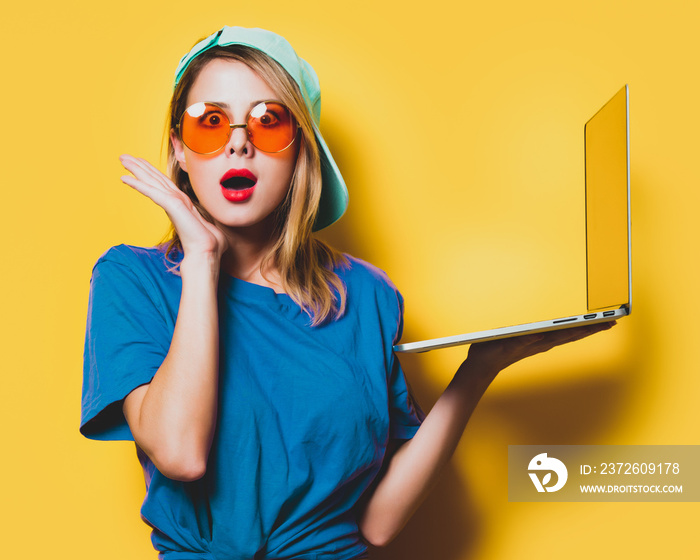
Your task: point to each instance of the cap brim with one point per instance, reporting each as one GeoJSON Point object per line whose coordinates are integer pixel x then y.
{"type": "Point", "coordinates": [334, 195]}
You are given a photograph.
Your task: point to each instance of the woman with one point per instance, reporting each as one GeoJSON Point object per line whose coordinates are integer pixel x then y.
{"type": "Point", "coordinates": [252, 364]}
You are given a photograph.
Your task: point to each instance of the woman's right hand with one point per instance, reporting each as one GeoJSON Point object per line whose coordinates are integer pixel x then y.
{"type": "Point", "coordinates": [173, 418]}
{"type": "Point", "coordinates": [197, 235]}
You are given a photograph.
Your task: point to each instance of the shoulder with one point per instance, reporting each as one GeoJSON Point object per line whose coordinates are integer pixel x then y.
{"type": "Point", "coordinates": [127, 269]}
{"type": "Point", "coordinates": [359, 275]}
{"type": "Point", "coordinates": [143, 262]}
{"type": "Point", "coordinates": [134, 257]}
{"type": "Point", "coordinates": [361, 271]}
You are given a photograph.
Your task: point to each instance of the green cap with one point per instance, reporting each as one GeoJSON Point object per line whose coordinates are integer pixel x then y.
{"type": "Point", "coordinates": [334, 194]}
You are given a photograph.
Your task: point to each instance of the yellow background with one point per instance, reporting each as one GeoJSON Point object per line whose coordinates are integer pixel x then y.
{"type": "Point", "coordinates": [459, 128]}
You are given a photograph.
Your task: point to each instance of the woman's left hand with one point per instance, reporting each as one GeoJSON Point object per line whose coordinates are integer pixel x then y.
{"type": "Point", "coordinates": [494, 356]}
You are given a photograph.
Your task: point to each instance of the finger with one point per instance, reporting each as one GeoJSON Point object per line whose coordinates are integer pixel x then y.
{"type": "Point", "coordinates": [148, 180]}
{"type": "Point", "coordinates": [157, 194]}
{"type": "Point", "coordinates": [578, 333]}
{"type": "Point", "coordinates": [565, 336]}
{"type": "Point", "coordinates": [142, 170]}
{"type": "Point", "coordinates": [145, 171]}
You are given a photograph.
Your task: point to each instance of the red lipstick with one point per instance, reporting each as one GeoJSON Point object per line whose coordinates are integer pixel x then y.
{"type": "Point", "coordinates": [237, 185]}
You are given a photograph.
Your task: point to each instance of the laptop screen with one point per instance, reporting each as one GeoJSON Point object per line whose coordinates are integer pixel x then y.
{"type": "Point", "coordinates": [607, 207]}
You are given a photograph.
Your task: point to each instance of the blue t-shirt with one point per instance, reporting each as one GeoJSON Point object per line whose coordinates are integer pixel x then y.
{"type": "Point", "coordinates": [304, 417]}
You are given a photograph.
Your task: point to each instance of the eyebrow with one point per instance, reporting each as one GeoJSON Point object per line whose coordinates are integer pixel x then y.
{"type": "Point", "coordinates": [252, 103]}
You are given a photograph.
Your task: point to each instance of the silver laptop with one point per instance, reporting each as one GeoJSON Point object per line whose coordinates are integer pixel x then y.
{"type": "Point", "coordinates": [608, 232]}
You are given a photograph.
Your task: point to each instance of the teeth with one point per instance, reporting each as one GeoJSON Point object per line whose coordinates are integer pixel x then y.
{"type": "Point", "coordinates": [237, 183]}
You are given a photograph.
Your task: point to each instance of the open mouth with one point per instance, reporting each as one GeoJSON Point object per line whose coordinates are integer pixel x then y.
{"type": "Point", "coordinates": [237, 183]}
{"type": "Point", "coordinates": [238, 179]}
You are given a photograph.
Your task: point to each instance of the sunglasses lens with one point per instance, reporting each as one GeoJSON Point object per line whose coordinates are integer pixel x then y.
{"type": "Point", "coordinates": [204, 128]}
{"type": "Point", "coordinates": [271, 127]}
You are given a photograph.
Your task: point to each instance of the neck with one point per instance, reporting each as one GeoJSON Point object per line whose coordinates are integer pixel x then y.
{"type": "Point", "coordinates": [247, 248]}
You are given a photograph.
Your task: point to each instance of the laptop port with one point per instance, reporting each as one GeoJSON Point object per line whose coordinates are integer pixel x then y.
{"type": "Point", "coordinates": [590, 316]}
{"type": "Point", "coordinates": [608, 313]}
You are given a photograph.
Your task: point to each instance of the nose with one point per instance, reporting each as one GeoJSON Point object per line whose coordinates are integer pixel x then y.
{"type": "Point", "coordinates": [238, 142]}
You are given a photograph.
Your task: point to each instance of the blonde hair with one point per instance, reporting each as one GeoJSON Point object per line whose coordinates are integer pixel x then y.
{"type": "Point", "coordinates": [305, 264]}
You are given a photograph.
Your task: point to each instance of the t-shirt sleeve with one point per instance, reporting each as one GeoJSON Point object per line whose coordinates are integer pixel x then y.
{"type": "Point", "coordinates": [127, 338]}
{"type": "Point", "coordinates": [406, 415]}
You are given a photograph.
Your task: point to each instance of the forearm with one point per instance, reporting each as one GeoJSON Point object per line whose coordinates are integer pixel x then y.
{"type": "Point", "coordinates": [173, 417]}
{"type": "Point", "coordinates": [414, 468]}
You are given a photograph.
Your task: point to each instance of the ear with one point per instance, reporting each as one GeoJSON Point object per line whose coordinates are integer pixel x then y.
{"type": "Point", "coordinates": [179, 149]}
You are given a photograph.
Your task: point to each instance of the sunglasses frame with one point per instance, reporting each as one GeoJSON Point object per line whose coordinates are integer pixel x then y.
{"type": "Point", "coordinates": [233, 126]}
